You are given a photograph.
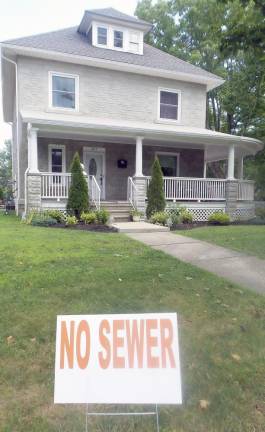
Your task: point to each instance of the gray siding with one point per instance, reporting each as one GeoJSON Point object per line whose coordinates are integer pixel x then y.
{"type": "Point", "coordinates": [191, 161]}
{"type": "Point", "coordinates": [109, 94]}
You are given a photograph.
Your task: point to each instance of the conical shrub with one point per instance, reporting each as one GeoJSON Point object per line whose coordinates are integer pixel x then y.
{"type": "Point", "coordinates": [78, 201]}
{"type": "Point", "coordinates": [155, 193]}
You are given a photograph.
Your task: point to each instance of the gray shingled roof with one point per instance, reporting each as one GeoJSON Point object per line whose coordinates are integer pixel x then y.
{"type": "Point", "coordinates": [70, 41]}
{"type": "Point", "coordinates": [115, 14]}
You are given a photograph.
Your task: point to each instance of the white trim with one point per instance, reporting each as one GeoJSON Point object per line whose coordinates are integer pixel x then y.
{"type": "Point", "coordinates": [64, 75]}
{"type": "Point", "coordinates": [111, 28]}
{"type": "Point", "coordinates": [56, 146]}
{"type": "Point", "coordinates": [100, 151]}
{"type": "Point", "coordinates": [157, 153]}
{"type": "Point", "coordinates": [211, 83]}
{"type": "Point", "coordinates": [165, 120]}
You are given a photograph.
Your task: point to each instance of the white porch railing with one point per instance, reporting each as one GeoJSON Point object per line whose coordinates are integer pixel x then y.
{"type": "Point", "coordinates": [55, 185]}
{"type": "Point", "coordinates": [194, 189]}
{"type": "Point", "coordinates": [245, 191]}
{"type": "Point", "coordinates": [132, 193]}
{"type": "Point", "coordinates": [94, 192]}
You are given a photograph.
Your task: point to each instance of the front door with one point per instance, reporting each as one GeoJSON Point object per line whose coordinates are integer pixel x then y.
{"type": "Point", "coordinates": [94, 162]}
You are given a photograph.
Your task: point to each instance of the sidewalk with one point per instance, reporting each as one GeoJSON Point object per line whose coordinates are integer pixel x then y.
{"type": "Point", "coordinates": [247, 271]}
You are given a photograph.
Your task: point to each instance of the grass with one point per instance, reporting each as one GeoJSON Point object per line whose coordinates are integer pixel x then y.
{"type": "Point", "coordinates": [45, 272]}
{"type": "Point", "coordinates": [249, 239]}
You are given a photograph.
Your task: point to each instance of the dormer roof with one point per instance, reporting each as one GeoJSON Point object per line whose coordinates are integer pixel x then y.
{"type": "Point", "coordinates": [111, 15]}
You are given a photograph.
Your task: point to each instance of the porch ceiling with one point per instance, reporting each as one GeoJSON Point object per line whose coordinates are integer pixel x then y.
{"type": "Point", "coordinates": [106, 130]}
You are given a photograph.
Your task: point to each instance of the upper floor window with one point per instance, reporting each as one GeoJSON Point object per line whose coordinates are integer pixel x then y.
{"type": "Point", "coordinates": [169, 105]}
{"type": "Point", "coordinates": [102, 36]}
{"type": "Point", "coordinates": [118, 39]}
{"type": "Point", "coordinates": [63, 91]}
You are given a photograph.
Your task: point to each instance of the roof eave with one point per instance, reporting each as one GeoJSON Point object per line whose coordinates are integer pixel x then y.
{"type": "Point", "coordinates": [209, 82]}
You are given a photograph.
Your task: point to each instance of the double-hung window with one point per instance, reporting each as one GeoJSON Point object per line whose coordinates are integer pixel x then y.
{"type": "Point", "coordinates": [169, 105]}
{"type": "Point", "coordinates": [102, 36]}
{"type": "Point", "coordinates": [56, 158]}
{"type": "Point", "coordinates": [118, 39]}
{"type": "Point", "coordinates": [63, 91]}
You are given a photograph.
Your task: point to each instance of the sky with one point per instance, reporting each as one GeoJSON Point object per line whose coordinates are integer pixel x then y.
{"type": "Point", "coordinates": [27, 17]}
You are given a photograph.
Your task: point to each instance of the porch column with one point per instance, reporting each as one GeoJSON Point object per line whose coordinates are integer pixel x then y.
{"type": "Point", "coordinates": [205, 169]}
{"type": "Point", "coordinates": [139, 157]}
{"type": "Point", "coordinates": [32, 149]}
{"type": "Point", "coordinates": [241, 167]}
{"type": "Point", "coordinates": [32, 175]}
{"type": "Point", "coordinates": [231, 162]}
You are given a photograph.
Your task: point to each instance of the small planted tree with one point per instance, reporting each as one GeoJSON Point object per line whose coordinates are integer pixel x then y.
{"type": "Point", "coordinates": [78, 201]}
{"type": "Point", "coordinates": [155, 192]}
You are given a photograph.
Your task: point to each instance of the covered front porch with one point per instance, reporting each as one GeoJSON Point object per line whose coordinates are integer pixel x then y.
{"type": "Point", "coordinates": [118, 168]}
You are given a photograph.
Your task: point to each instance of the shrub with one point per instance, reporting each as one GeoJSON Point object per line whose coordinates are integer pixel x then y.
{"type": "Point", "coordinates": [78, 192]}
{"type": "Point", "coordinates": [41, 219]}
{"type": "Point", "coordinates": [186, 216]}
{"type": "Point", "coordinates": [70, 220]}
{"type": "Point", "coordinates": [155, 192]}
{"type": "Point", "coordinates": [219, 218]}
{"type": "Point", "coordinates": [1, 194]}
{"type": "Point", "coordinates": [102, 216]}
{"type": "Point", "coordinates": [174, 220]}
{"type": "Point", "coordinates": [160, 218]}
{"type": "Point", "coordinates": [57, 215]}
{"type": "Point", "coordinates": [89, 218]}
{"type": "Point", "coordinates": [260, 212]}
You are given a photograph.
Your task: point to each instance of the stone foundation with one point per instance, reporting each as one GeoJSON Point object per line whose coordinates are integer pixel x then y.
{"type": "Point", "coordinates": [33, 190]}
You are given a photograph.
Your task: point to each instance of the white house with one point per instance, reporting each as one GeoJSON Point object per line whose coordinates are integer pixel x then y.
{"type": "Point", "coordinates": [100, 90]}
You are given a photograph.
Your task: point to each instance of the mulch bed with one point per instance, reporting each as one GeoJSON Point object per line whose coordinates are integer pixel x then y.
{"type": "Point", "coordinates": [90, 227]}
{"type": "Point", "coordinates": [189, 226]}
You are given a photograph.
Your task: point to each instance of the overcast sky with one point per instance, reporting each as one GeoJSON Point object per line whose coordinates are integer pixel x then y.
{"type": "Point", "coordinates": [26, 17]}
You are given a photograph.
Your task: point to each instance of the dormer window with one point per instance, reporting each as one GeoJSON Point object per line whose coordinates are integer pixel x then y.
{"type": "Point", "coordinates": [118, 39]}
{"type": "Point", "coordinates": [102, 36]}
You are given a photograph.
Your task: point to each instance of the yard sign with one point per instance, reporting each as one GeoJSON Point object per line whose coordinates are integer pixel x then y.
{"type": "Point", "coordinates": [117, 359]}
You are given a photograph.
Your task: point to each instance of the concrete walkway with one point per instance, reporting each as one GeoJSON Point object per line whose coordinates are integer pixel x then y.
{"type": "Point", "coordinates": [244, 270]}
{"type": "Point", "coordinates": [139, 227]}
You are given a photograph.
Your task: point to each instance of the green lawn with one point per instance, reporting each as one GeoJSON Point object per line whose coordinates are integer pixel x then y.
{"type": "Point", "coordinates": [45, 272]}
{"type": "Point", "coordinates": [249, 239]}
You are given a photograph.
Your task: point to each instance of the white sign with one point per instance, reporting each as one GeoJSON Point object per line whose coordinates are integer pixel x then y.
{"type": "Point", "coordinates": [117, 359]}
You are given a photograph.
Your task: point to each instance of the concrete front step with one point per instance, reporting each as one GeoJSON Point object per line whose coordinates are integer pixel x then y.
{"type": "Point", "coordinates": [138, 227]}
{"type": "Point", "coordinates": [119, 210]}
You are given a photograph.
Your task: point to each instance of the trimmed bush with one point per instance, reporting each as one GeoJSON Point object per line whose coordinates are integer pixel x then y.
{"type": "Point", "coordinates": [71, 220]}
{"type": "Point", "coordinates": [102, 216]}
{"type": "Point", "coordinates": [186, 216]}
{"type": "Point", "coordinates": [219, 218]}
{"type": "Point", "coordinates": [89, 218]}
{"type": "Point", "coordinates": [159, 218]}
{"type": "Point", "coordinates": [155, 192]}
{"type": "Point", "coordinates": [260, 212]}
{"type": "Point", "coordinates": [57, 215]}
{"type": "Point", "coordinates": [78, 193]}
{"type": "Point", "coordinates": [42, 219]}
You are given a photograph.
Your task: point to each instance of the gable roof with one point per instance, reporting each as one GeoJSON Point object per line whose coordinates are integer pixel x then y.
{"type": "Point", "coordinates": [114, 13]}
{"type": "Point", "coordinates": [70, 41]}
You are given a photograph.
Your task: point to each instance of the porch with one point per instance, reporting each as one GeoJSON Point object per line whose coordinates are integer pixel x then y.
{"type": "Point", "coordinates": [118, 168]}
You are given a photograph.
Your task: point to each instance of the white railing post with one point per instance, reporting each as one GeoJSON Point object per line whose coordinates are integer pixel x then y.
{"type": "Point", "coordinates": [132, 193]}
{"type": "Point", "coordinates": [94, 191]}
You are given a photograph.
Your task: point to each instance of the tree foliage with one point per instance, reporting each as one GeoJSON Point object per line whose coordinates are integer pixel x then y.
{"type": "Point", "coordinates": [155, 193]}
{"type": "Point", "coordinates": [6, 170]}
{"type": "Point", "coordinates": [78, 192]}
{"type": "Point", "coordinates": [227, 38]}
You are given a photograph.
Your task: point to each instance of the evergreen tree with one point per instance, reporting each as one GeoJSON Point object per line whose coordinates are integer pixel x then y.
{"type": "Point", "coordinates": [78, 193]}
{"type": "Point", "coordinates": [155, 192]}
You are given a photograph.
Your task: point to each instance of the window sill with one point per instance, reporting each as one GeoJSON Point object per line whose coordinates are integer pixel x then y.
{"type": "Point", "coordinates": [168, 121]}
{"type": "Point", "coordinates": [62, 110]}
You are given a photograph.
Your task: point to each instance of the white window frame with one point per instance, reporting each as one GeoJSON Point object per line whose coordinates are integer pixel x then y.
{"type": "Point", "coordinates": [64, 75]}
{"type": "Point", "coordinates": [131, 42]}
{"type": "Point", "coordinates": [110, 37]}
{"type": "Point", "coordinates": [176, 154]}
{"type": "Point", "coordinates": [56, 146]}
{"type": "Point", "coordinates": [106, 28]}
{"type": "Point", "coordinates": [165, 120]}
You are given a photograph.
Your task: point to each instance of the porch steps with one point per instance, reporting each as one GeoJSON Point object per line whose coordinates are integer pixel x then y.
{"type": "Point", "coordinates": [119, 210]}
